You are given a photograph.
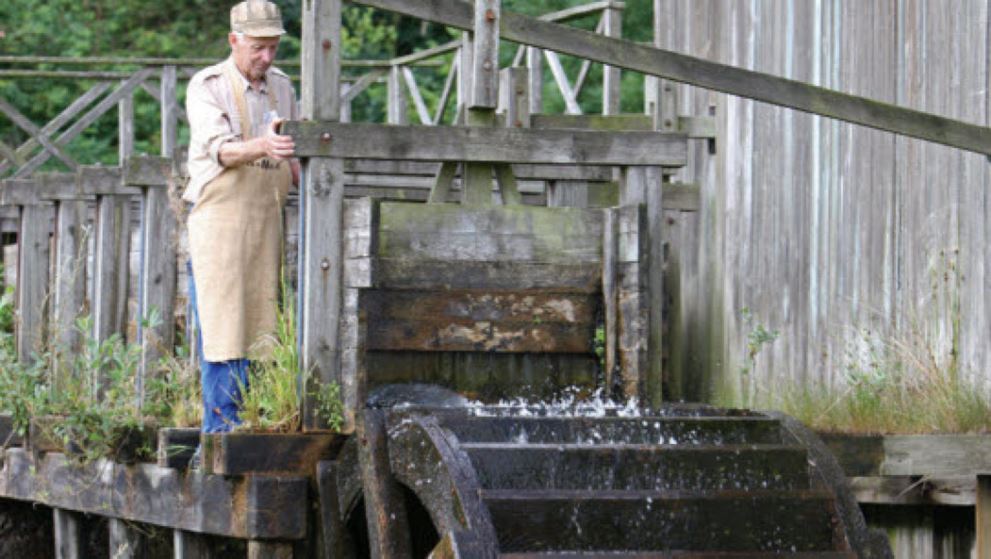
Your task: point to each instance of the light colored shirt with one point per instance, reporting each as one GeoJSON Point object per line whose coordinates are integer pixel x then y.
{"type": "Point", "coordinates": [214, 117]}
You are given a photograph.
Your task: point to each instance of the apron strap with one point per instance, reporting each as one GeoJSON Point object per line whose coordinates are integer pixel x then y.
{"type": "Point", "coordinates": [237, 88]}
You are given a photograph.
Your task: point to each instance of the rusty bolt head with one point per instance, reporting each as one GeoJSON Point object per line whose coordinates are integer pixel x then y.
{"type": "Point", "coordinates": [326, 44]}
{"type": "Point", "coordinates": [518, 124]}
{"type": "Point", "coordinates": [667, 123]}
{"type": "Point", "coordinates": [489, 15]}
{"type": "Point", "coordinates": [520, 91]}
{"type": "Point", "coordinates": [325, 138]}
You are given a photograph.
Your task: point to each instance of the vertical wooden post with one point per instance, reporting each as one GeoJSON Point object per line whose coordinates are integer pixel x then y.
{"type": "Point", "coordinates": [68, 534]}
{"type": "Point", "coordinates": [655, 284]}
{"type": "Point", "coordinates": [69, 285]}
{"type": "Point", "coordinates": [189, 545]}
{"type": "Point", "coordinates": [331, 525]}
{"type": "Point", "coordinates": [610, 248]}
{"type": "Point", "coordinates": [125, 128]}
{"type": "Point", "coordinates": [535, 65]}
{"type": "Point", "coordinates": [322, 207]}
{"type": "Point", "coordinates": [982, 520]}
{"type": "Point", "coordinates": [269, 550]}
{"type": "Point", "coordinates": [110, 275]}
{"type": "Point", "coordinates": [485, 73]}
{"type": "Point", "coordinates": [33, 254]}
{"type": "Point", "coordinates": [612, 20]}
{"type": "Point", "coordinates": [125, 541]}
{"type": "Point", "coordinates": [158, 262]}
{"type": "Point", "coordinates": [170, 112]}
{"type": "Point", "coordinates": [396, 102]}
{"type": "Point", "coordinates": [662, 92]}
{"type": "Point", "coordinates": [514, 97]}
{"type": "Point", "coordinates": [466, 69]}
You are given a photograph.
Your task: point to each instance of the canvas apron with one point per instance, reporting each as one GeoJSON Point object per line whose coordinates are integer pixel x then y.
{"type": "Point", "coordinates": [235, 243]}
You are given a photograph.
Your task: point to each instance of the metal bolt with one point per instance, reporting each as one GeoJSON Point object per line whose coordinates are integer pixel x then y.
{"type": "Point", "coordinates": [520, 91]}
{"type": "Point", "coordinates": [667, 123]}
{"type": "Point", "coordinates": [326, 44]}
{"type": "Point", "coordinates": [325, 138]}
{"type": "Point", "coordinates": [487, 65]}
{"type": "Point", "coordinates": [518, 124]}
{"type": "Point", "coordinates": [490, 15]}
{"type": "Point", "coordinates": [324, 264]}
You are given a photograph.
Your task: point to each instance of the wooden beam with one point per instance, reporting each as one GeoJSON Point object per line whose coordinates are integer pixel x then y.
{"type": "Point", "coordinates": [33, 255]}
{"type": "Point", "coordinates": [535, 66]}
{"type": "Point", "coordinates": [485, 76]}
{"type": "Point", "coordinates": [169, 111]}
{"type": "Point", "coordinates": [563, 85]}
{"type": "Point", "coordinates": [385, 508]}
{"type": "Point", "coordinates": [495, 145]}
{"type": "Point", "coordinates": [414, 91]}
{"type": "Point", "coordinates": [25, 124]}
{"type": "Point", "coordinates": [69, 287]}
{"type": "Point", "coordinates": [395, 98]}
{"type": "Point", "coordinates": [59, 121]}
{"type": "Point", "coordinates": [125, 88]}
{"type": "Point", "coordinates": [110, 266]}
{"type": "Point", "coordinates": [68, 534]}
{"type": "Point", "coordinates": [710, 75]}
{"type": "Point", "coordinates": [126, 542]}
{"type": "Point", "coordinates": [612, 26]}
{"type": "Point", "coordinates": [321, 213]}
{"type": "Point", "coordinates": [125, 128]}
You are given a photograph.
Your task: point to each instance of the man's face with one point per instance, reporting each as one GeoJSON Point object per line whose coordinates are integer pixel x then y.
{"type": "Point", "coordinates": [253, 55]}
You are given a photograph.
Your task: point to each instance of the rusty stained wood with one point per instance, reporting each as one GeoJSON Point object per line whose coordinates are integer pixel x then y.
{"type": "Point", "coordinates": [251, 507]}
{"type": "Point", "coordinates": [480, 321]}
{"type": "Point", "coordinates": [493, 145]}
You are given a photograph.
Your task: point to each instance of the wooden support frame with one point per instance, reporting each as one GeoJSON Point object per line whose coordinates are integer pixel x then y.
{"type": "Point", "coordinates": [710, 75]}
{"type": "Point", "coordinates": [492, 145]}
{"type": "Point", "coordinates": [68, 534]}
{"type": "Point", "coordinates": [321, 212]}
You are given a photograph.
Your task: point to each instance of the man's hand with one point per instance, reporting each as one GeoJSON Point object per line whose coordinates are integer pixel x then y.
{"type": "Point", "coordinates": [276, 145]}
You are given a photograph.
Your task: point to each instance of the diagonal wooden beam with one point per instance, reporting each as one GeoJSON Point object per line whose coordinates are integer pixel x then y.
{"type": "Point", "coordinates": [485, 145]}
{"type": "Point", "coordinates": [58, 122]}
{"type": "Point", "coordinates": [414, 91]}
{"type": "Point", "coordinates": [31, 128]}
{"type": "Point", "coordinates": [361, 84]}
{"type": "Point", "coordinates": [707, 74]}
{"type": "Point", "coordinates": [108, 102]}
{"type": "Point", "coordinates": [448, 87]}
{"type": "Point", "coordinates": [563, 85]}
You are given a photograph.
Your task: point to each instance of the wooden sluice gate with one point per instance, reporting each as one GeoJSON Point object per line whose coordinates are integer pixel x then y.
{"type": "Point", "coordinates": [434, 268]}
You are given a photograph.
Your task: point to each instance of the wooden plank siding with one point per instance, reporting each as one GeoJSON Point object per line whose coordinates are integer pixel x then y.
{"type": "Point", "coordinates": [822, 229]}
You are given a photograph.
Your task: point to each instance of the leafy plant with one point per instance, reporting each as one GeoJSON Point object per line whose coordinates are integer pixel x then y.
{"type": "Point", "coordinates": [173, 394]}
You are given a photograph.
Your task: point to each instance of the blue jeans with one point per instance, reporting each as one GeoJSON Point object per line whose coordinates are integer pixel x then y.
{"type": "Point", "coordinates": [221, 381]}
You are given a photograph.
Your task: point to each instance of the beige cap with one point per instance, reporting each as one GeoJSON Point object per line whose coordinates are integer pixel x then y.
{"type": "Point", "coordinates": [257, 18]}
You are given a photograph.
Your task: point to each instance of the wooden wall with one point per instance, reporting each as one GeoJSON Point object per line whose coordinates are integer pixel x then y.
{"type": "Point", "coordinates": [825, 230]}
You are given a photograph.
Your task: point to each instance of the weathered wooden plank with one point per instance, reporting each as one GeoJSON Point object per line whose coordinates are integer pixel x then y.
{"type": "Point", "coordinates": [610, 292]}
{"type": "Point", "coordinates": [125, 128]}
{"type": "Point", "coordinates": [157, 277]}
{"type": "Point", "coordinates": [441, 189]}
{"type": "Point", "coordinates": [235, 454]}
{"type": "Point", "coordinates": [138, 171]}
{"type": "Point", "coordinates": [480, 321]}
{"type": "Point", "coordinates": [176, 446]}
{"type": "Point", "coordinates": [321, 209]}
{"type": "Point", "coordinates": [58, 122]}
{"type": "Point", "coordinates": [514, 97]}
{"type": "Point", "coordinates": [126, 542]}
{"type": "Point", "coordinates": [68, 534]}
{"type": "Point", "coordinates": [710, 75]}
{"type": "Point", "coordinates": [32, 280]}
{"type": "Point", "coordinates": [414, 91]}
{"type": "Point", "coordinates": [330, 526]}
{"type": "Point", "coordinates": [502, 145]}
{"type": "Point", "coordinates": [189, 545]}
{"type": "Point", "coordinates": [125, 88]}
{"type": "Point", "coordinates": [612, 24]}
{"type": "Point", "coordinates": [535, 67]}
{"type": "Point", "coordinates": [169, 111]}
{"type": "Point", "coordinates": [485, 73]}
{"type": "Point", "coordinates": [913, 490]}
{"type": "Point", "coordinates": [563, 85]}
{"type": "Point", "coordinates": [445, 94]}
{"type": "Point", "coordinates": [508, 189]}
{"type": "Point", "coordinates": [69, 287]}
{"type": "Point", "coordinates": [252, 507]}
{"type": "Point", "coordinates": [399, 273]}
{"type": "Point", "coordinates": [110, 266]}
{"type": "Point", "coordinates": [396, 108]}
{"type": "Point", "coordinates": [522, 171]}
{"type": "Point", "coordinates": [25, 124]}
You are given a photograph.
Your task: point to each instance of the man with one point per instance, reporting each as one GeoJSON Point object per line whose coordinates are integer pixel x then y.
{"type": "Point", "coordinates": [240, 171]}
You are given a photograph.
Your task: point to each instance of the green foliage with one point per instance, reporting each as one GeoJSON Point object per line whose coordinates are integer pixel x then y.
{"type": "Point", "coordinates": [271, 401]}
{"type": "Point", "coordinates": [173, 393]}
{"type": "Point", "coordinates": [757, 338]}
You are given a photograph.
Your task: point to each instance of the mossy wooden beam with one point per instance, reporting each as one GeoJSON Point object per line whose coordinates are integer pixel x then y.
{"type": "Point", "coordinates": [491, 145]}
{"type": "Point", "coordinates": [704, 73]}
